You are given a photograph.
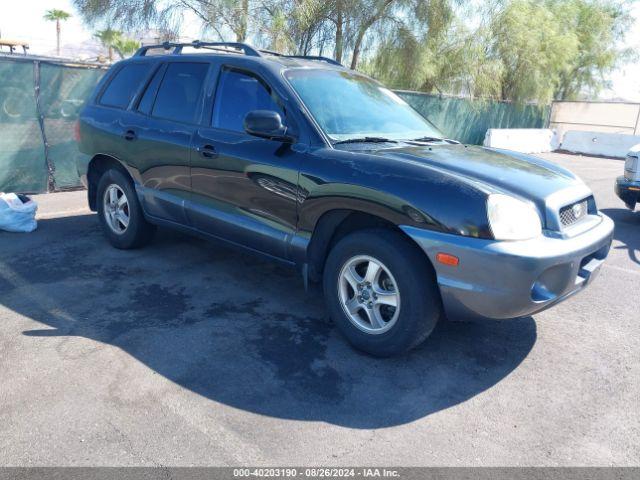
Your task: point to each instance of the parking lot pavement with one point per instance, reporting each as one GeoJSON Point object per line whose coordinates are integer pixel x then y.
{"type": "Point", "coordinates": [188, 353]}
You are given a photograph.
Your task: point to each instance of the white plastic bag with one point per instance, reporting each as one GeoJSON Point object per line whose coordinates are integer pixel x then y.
{"type": "Point", "coordinates": [16, 216]}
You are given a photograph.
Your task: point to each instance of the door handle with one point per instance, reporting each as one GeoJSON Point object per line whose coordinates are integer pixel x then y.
{"type": "Point", "coordinates": [208, 151]}
{"type": "Point", "coordinates": [130, 135]}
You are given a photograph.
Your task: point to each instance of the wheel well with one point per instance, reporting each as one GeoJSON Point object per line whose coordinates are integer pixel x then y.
{"type": "Point", "coordinates": [97, 166]}
{"type": "Point", "coordinates": [335, 225]}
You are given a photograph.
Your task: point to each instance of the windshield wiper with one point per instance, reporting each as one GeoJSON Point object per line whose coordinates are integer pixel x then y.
{"type": "Point", "coordinates": [433, 139]}
{"type": "Point", "coordinates": [366, 140]}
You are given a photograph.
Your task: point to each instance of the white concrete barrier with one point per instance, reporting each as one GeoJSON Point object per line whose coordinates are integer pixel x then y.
{"type": "Point", "coordinates": [614, 145]}
{"type": "Point", "coordinates": [524, 140]}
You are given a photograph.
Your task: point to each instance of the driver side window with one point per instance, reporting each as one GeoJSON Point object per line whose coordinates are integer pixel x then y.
{"type": "Point", "coordinates": [237, 94]}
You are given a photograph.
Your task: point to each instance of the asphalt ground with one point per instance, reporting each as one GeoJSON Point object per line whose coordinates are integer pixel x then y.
{"type": "Point", "coordinates": [189, 353]}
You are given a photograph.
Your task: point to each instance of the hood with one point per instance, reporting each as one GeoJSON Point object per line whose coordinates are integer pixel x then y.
{"type": "Point", "coordinates": [522, 175]}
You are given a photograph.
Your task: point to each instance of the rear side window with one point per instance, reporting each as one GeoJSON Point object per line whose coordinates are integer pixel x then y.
{"type": "Point", "coordinates": [124, 84]}
{"type": "Point", "coordinates": [146, 102]}
{"type": "Point", "coordinates": [239, 93]}
{"type": "Point", "coordinates": [179, 92]}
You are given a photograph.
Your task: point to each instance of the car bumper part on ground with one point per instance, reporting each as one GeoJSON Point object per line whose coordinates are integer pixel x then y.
{"type": "Point", "coordinates": [628, 191]}
{"type": "Point", "coordinates": [500, 280]}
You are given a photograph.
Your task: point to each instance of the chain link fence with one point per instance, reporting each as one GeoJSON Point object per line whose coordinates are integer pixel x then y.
{"type": "Point", "coordinates": [40, 100]}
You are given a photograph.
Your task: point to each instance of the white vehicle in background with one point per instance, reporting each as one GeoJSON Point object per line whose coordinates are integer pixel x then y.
{"type": "Point", "coordinates": [628, 185]}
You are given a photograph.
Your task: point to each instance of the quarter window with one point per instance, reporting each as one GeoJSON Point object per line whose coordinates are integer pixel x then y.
{"type": "Point", "coordinates": [146, 102]}
{"type": "Point", "coordinates": [180, 92]}
{"type": "Point", "coordinates": [239, 93]}
{"type": "Point", "coordinates": [124, 84]}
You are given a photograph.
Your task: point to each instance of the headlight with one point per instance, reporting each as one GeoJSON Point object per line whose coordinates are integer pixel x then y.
{"type": "Point", "coordinates": [512, 219]}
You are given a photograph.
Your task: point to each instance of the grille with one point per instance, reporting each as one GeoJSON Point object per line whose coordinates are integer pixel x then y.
{"type": "Point", "coordinates": [574, 212]}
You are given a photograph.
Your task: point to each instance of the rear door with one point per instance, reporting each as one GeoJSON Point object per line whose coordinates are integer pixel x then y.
{"type": "Point", "coordinates": [244, 188]}
{"type": "Point", "coordinates": [159, 136]}
{"type": "Point", "coordinates": [107, 121]}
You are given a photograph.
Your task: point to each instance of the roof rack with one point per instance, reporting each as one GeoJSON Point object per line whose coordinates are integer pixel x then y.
{"type": "Point", "coordinates": [229, 47]}
{"type": "Point", "coordinates": [318, 58]}
{"type": "Point", "coordinates": [304, 57]}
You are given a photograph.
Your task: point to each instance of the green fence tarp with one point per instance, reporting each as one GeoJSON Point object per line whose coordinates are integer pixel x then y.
{"type": "Point", "coordinates": [468, 120]}
{"type": "Point", "coordinates": [23, 166]}
{"type": "Point", "coordinates": [62, 94]}
{"type": "Point", "coordinates": [31, 91]}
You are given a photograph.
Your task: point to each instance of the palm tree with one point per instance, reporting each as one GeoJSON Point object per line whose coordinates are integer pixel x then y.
{"type": "Point", "coordinates": [57, 16]}
{"type": "Point", "coordinates": [109, 37]}
{"type": "Point", "coordinates": [126, 46]}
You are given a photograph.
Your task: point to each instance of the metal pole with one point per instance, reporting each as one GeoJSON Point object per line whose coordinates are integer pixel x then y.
{"type": "Point", "coordinates": [49, 164]}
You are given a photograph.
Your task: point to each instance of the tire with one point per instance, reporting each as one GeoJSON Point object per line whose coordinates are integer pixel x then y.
{"type": "Point", "coordinates": [137, 232]}
{"type": "Point", "coordinates": [404, 273]}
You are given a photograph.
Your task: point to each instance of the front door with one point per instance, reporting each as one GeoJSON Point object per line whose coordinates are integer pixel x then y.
{"type": "Point", "coordinates": [244, 188]}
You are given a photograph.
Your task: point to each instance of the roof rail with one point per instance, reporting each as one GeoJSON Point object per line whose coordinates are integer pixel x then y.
{"type": "Point", "coordinates": [304, 57]}
{"type": "Point", "coordinates": [317, 58]}
{"type": "Point", "coordinates": [271, 52]}
{"type": "Point", "coordinates": [229, 47]}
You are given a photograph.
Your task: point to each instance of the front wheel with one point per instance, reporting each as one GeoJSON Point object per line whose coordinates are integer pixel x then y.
{"type": "Point", "coordinates": [381, 292]}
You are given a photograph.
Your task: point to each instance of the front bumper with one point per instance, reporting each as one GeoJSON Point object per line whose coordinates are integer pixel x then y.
{"type": "Point", "coordinates": [500, 280]}
{"type": "Point", "coordinates": [628, 191]}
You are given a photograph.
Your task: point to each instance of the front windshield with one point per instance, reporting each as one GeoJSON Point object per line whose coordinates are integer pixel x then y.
{"type": "Point", "coordinates": [347, 105]}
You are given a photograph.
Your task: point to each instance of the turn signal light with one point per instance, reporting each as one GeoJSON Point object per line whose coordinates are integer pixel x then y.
{"type": "Point", "coordinates": [446, 259]}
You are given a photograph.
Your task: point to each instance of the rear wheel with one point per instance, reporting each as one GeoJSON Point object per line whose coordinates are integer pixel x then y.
{"type": "Point", "coordinates": [120, 213]}
{"type": "Point", "coordinates": [381, 292]}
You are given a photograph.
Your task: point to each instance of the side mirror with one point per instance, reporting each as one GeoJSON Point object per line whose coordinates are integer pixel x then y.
{"type": "Point", "coordinates": [266, 124]}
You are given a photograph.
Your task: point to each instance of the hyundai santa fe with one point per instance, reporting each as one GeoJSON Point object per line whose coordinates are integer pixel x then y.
{"type": "Point", "coordinates": [324, 169]}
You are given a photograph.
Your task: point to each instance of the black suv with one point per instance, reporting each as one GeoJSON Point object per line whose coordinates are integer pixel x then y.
{"type": "Point", "coordinates": [322, 168]}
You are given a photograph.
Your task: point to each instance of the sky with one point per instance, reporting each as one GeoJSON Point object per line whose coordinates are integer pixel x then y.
{"type": "Point", "coordinates": [22, 20]}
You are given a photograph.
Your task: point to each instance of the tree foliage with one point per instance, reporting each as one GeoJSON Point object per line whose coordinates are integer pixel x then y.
{"type": "Point", "coordinates": [125, 47]}
{"type": "Point", "coordinates": [115, 40]}
{"type": "Point", "coordinates": [598, 28]}
{"type": "Point", "coordinates": [107, 38]}
{"type": "Point", "coordinates": [519, 50]}
{"type": "Point", "coordinates": [560, 49]}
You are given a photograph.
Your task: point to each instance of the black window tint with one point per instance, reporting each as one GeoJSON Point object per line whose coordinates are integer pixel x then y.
{"type": "Point", "coordinates": [125, 83]}
{"type": "Point", "coordinates": [237, 95]}
{"type": "Point", "coordinates": [146, 102]}
{"type": "Point", "coordinates": [179, 92]}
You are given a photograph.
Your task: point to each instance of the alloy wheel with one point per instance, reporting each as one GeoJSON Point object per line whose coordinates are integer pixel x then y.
{"type": "Point", "coordinates": [116, 209]}
{"type": "Point", "coordinates": [369, 294]}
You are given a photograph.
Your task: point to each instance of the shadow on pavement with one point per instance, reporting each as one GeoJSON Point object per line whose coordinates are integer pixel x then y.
{"type": "Point", "coordinates": [239, 330]}
{"type": "Point", "coordinates": [627, 230]}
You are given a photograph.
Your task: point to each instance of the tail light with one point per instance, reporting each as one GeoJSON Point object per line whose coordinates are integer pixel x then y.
{"type": "Point", "coordinates": [76, 131]}
{"type": "Point", "coordinates": [632, 167]}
